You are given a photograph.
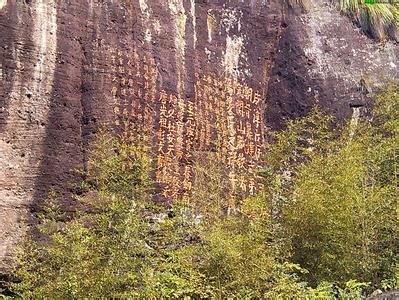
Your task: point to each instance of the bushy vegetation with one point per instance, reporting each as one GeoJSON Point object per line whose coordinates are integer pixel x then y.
{"type": "Point", "coordinates": [379, 18]}
{"type": "Point", "coordinates": [336, 193]}
{"type": "Point", "coordinates": [324, 226]}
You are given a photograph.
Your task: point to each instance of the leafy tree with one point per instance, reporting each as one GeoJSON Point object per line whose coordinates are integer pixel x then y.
{"type": "Point", "coordinates": [335, 194]}
{"type": "Point", "coordinates": [101, 250]}
{"type": "Point", "coordinates": [324, 226]}
{"type": "Point", "coordinates": [125, 245]}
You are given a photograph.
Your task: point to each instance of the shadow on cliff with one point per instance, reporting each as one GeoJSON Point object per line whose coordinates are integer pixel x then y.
{"type": "Point", "coordinates": [62, 146]}
{"type": "Point", "coordinates": [78, 103]}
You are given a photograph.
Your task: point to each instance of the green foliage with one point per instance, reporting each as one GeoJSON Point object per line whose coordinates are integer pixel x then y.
{"type": "Point", "coordinates": [336, 196]}
{"type": "Point", "coordinates": [324, 227]}
{"type": "Point", "coordinates": [94, 254]}
{"type": "Point", "coordinates": [379, 19]}
{"type": "Point", "coordinates": [124, 245]}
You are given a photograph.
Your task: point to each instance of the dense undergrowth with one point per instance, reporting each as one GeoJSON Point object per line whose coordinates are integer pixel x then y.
{"type": "Point", "coordinates": [324, 226]}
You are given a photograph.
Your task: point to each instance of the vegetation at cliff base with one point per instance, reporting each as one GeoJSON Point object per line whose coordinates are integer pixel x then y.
{"type": "Point", "coordinates": [323, 226]}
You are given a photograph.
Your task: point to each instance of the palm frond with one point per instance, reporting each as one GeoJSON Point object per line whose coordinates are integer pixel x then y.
{"type": "Point", "coordinates": [349, 5]}
{"type": "Point", "coordinates": [381, 20]}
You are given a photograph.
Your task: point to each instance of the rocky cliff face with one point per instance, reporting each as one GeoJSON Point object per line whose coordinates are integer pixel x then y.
{"type": "Point", "coordinates": [178, 68]}
{"type": "Point", "coordinates": [323, 57]}
{"type": "Point", "coordinates": [188, 71]}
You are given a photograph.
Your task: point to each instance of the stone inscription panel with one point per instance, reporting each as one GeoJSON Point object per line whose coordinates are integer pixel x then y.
{"type": "Point", "coordinates": [225, 115]}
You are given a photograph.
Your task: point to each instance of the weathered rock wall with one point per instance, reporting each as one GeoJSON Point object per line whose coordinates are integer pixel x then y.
{"type": "Point", "coordinates": [322, 56]}
{"type": "Point", "coordinates": [188, 71]}
{"type": "Point", "coordinates": [178, 67]}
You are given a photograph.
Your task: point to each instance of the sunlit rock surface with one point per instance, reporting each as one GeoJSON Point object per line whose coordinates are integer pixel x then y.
{"type": "Point", "coordinates": [189, 72]}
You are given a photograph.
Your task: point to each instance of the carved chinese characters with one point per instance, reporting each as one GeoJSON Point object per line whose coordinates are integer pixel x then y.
{"type": "Point", "coordinates": [231, 114]}
{"type": "Point", "coordinates": [224, 115]}
{"type": "Point", "coordinates": [133, 90]}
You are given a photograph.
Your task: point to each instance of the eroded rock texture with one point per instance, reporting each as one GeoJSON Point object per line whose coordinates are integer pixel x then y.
{"type": "Point", "coordinates": [178, 67]}
{"type": "Point", "coordinates": [323, 57]}
{"type": "Point", "coordinates": [191, 72]}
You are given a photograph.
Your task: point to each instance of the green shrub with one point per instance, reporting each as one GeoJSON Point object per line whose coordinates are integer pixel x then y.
{"type": "Point", "coordinates": [336, 194]}
{"type": "Point", "coordinates": [324, 226]}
